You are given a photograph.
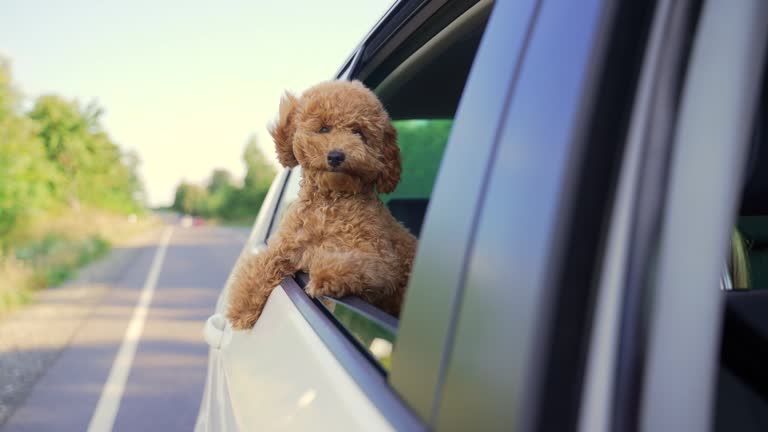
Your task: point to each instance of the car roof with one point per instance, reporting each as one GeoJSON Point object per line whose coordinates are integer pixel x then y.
{"type": "Point", "coordinates": [398, 13]}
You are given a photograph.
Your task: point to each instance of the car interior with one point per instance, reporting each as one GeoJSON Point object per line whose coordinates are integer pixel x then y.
{"type": "Point", "coordinates": [426, 88]}
{"type": "Point", "coordinates": [742, 396]}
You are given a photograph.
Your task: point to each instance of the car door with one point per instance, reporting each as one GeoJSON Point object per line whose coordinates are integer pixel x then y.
{"type": "Point", "coordinates": [590, 297]}
{"type": "Point", "coordinates": [711, 145]}
{"type": "Point", "coordinates": [653, 358]}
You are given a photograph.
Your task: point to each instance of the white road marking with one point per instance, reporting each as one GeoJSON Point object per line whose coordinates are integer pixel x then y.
{"type": "Point", "coordinates": [106, 410]}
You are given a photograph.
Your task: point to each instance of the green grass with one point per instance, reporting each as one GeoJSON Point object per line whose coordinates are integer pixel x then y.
{"type": "Point", "coordinates": [47, 262]}
{"type": "Point", "coordinates": [11, 299]}
{"type": "Point", "coordinates": [48, 250]}
{"type": "Point", "coordinates": [55, 259]}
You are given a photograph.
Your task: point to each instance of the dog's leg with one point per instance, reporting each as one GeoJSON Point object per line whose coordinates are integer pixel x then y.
{"type": "Point", "coordinates": [369, 276]}
{"type": "Point", "coordinates": [254, 280]}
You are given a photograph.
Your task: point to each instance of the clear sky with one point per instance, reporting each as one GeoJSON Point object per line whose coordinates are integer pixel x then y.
{"type": "Point", "coordinates": [183, 82]}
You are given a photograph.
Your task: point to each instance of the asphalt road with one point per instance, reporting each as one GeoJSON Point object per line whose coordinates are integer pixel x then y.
{"type": "Point", "coordinates": [124, 341]}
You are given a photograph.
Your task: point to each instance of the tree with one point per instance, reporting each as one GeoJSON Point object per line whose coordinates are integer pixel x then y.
{"type": "Point", "coordinates": [26, 176]}
{"type": "Point", "coordinates": [221, 180]}
{"type": "Point", "coordinates": [195, 201]}
{"type": "Point", "coordinates": [131, 161]}
{"type": "Point", "coordinates": [93, 168]}
{"type": "Point", "coordinates": [220, 189]}
{"type": "Point", "coordinates": [9, 97]}
{"type": "Point", "coordinates": [258, 171]}
{"type": "Point", "coordinates": [54, 156]}
{"type": "Point", "coordinates": [244, 203]}
{"type": "Point", "coordinates": [179, 196]}
{"type": "Point", "coordinates": [191, 199]}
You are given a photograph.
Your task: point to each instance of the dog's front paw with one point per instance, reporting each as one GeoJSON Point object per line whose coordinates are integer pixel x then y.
{"type": "Point", "coordinates": [319, 286]}
{"type": "Point", "coordinates": [314, 289]}
{"type": "Point", "coordinates": [243, 319]}
{"type": "Point", "coordinates": [318, 291]}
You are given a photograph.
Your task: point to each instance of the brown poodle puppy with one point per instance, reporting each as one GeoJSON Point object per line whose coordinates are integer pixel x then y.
{"type": "Point", "coordinates": [338, 230]}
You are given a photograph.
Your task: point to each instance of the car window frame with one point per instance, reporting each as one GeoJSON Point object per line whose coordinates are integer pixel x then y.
{"type": "Point", "coordinates": [258, 237]}
{"type": "Point", "coordinates": [274, 221]}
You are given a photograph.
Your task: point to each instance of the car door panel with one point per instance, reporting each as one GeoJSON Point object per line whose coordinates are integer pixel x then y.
{"type": "Point", "coordinates": [281, 376]}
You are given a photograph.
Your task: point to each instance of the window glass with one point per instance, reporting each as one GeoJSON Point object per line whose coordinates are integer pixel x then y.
{"type": "Point", "coordinates": [748, 260]}
{"type": "Point", "coordinates": [372, 333]}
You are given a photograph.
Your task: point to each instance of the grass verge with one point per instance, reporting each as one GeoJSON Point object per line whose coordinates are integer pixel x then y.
{"type": "Point", "coordinates": [51, 251]}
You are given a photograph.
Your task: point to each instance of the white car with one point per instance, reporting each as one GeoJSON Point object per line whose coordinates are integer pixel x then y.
{"type": "Point", "coordinates": [573, 171]}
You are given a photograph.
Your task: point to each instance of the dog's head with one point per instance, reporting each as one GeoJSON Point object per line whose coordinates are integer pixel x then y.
{"type": "Point", "coordinates": [341, 128]}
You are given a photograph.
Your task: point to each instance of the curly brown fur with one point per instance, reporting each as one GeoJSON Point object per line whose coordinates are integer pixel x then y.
{"type": "Point", "coordinates": [338, 230]}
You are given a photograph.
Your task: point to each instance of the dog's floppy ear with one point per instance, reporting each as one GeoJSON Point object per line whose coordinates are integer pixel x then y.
{"type": "Point", "coordinates": [283, 128]}
{"type": "Point", "coordinates": [390, 177]}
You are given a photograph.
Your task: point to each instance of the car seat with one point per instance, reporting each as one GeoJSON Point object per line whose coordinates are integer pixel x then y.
{"type": "Point", "coordinates": [410, 212]}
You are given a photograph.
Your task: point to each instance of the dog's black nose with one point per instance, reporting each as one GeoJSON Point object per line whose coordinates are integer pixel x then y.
{"type": "Point", "coordinates": [335, 158]}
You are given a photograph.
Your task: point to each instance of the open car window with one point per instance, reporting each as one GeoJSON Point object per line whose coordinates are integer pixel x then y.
{"type": "Point", "coordinates": [421, 90]}
{"type": "Point", "coordinates": [422, 142]}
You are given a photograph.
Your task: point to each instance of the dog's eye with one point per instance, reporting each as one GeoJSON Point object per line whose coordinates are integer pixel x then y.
{"type": "Point", "coordinates": [325, 129]}
{"type": "Point", "coordinates": [359, 133]}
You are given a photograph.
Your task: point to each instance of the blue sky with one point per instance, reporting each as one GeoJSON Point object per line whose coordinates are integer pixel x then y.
{"type": "Point", "coordinates": [184, 83]}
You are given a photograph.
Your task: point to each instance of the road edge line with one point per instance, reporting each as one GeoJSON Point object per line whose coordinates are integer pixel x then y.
{"type": "Point", "coordinates": [112, 393]}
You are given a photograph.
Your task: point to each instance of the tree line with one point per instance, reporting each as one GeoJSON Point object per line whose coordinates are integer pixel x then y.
{"type": "Point", "coordinates": [56, 156]}
{"type": "Point", "coordinates": [224, 198]}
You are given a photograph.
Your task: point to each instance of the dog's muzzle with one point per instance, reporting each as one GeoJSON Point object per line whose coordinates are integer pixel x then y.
{"type": "Point", "coordinates": [335, 158]}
